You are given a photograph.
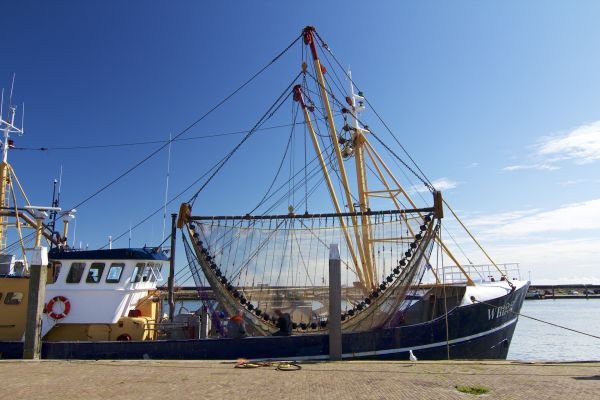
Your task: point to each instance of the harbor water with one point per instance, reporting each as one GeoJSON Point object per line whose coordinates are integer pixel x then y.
{"type": "Point", "coordinates": [534, 341]}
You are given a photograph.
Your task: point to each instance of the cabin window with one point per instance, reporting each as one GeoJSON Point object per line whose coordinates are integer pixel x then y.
{"type": "Point", "coordinates": [75, 273]}
{"type": "Point", "coordinates": [13, 298]}
{"type": "Point", "coordinates": [95, 273]}
{"type": "Point", "coordinates": [114, 273]}
{"type": "Point", "coordinates": [148, 273]}
{"type": "Point", "coordinates": [138, 272]}
{"type": "Point", "coordinates": [56, 270]}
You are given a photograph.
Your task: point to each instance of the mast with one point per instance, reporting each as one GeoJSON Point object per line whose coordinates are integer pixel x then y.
{"type": "Point", "coordinates": [7, 126]}
{"type": "Point", "coordinates": [361, 244]}
{"type": "Point", "coordinates": [359, 147]}
{"type": "Point", "coordinates": [28, 215]}
{"type": "Point", "coordinates": [300, 98]}
{"type": "Point", "coordinates": [358, 141]}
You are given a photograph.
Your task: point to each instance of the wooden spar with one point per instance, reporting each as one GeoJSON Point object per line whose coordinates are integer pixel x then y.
{"type": "Point", "coordinates": [438, 210]}
{"type": "Point", "coordinates": [3, 202]}
{"type": "Point", "coordinates": [299, 97]}
{"type": "Point", "coordinates": [360, 243]}
{"type": "Point", "coordinates": [363, 189]}
{"type": "Point", "coordinates": [306, 216]}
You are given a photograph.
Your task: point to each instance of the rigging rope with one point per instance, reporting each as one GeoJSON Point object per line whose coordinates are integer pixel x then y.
{"type": "Point", "coordinates": [474, 300]}
{"type": "Point", "coordinates": [185, 130]}
{"type": "Point", "coordinates": [421, 177]}
{"type": "Point", "coordinates": [274, 107]}
{"type": "Point", "coordinates": [287, 148]}
{"type": "Point", "coordinates": [110, 145]}
{"type": "Point", "coordinates": [326, 47]}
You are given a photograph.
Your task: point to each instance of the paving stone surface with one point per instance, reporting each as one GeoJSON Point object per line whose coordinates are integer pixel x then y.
{"type": "Point", "coordinates": [354, 380]}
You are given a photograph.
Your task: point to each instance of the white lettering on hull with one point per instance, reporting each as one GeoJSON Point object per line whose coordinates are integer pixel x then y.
{"type": "Point", "coordinates": [497, 312]}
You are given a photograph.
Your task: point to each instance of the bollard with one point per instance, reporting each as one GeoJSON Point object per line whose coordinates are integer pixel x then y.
{"type": "Point", "coordinates": [335, 304]}
{"type": "Point", "coordinates": [171, 279]}
{"type": "Point", "coordinates": [203, 323]}
{"type": "Point", "coordinates": [38, 271]}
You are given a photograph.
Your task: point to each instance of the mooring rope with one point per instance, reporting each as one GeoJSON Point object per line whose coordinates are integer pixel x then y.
{"type": "Point", "coordinates": [474, 300]}
{"type": "Point", "coordinates": [279, 365]}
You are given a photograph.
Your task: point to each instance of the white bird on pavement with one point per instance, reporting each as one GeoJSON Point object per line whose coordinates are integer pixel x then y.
{"type": "Point", "coordinates": [412, 357]}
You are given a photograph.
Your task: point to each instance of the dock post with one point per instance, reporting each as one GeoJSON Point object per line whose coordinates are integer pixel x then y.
{"type": "Point", "coordinates": [335, 304]}
{"type": "Point", "coordinates": [171, 280]}
{"type": "Point", "coordinates": [203, 323]}
{"type": "Point", "coordinates": [38, 271]}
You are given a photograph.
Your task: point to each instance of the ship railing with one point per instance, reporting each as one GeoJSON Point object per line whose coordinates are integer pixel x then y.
{"type": "Point", "coordinates": [480, 273]}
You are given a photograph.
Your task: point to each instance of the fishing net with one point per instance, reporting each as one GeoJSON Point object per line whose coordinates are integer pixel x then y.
{"type": "Point", "coordinates": [260, 264]}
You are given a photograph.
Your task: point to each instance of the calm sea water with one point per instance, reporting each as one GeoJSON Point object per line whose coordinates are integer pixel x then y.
{"type": "Point", "coordinates": [537, 341]}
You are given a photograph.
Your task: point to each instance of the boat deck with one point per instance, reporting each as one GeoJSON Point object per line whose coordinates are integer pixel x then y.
{"type": "Point", "coordinates": [150, 379]}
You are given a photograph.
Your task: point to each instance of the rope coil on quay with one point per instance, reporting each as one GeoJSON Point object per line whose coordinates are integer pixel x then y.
{"type": "Point", "coordinates": [279, 365]}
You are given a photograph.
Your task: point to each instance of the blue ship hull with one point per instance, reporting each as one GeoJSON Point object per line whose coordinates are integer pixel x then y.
{"type": "Point", "coordinates": [475, 331]}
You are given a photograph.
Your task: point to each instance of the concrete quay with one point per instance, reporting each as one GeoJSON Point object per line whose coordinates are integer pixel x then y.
{"type": "Point", "coordinates": [149, 379]}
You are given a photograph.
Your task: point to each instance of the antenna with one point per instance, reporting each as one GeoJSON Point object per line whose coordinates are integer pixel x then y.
{"type": "Point", "coordinates": [75, 233]}
{"type": "Point", "coordinates": [22, 121]}
{"type": "Point", "coordinates": [56, 196]}
{"type": "Point", "coordinates": [12, 85]}
{"type": "Point", "coordinates": [60, 182]}
{"type": "Point", "coordinates": [7, 127]}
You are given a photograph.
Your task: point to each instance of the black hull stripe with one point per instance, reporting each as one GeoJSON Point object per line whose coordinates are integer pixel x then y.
{"type": "Point", "coordinates": [402, 349]}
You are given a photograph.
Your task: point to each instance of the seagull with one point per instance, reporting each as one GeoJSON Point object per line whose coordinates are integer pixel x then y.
{"type": "Point", "coordinates": [411, 356]}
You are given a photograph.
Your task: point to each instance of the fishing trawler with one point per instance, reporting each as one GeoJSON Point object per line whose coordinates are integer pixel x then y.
{"type": "Point", "coordinates": [398, 295]}
{"type": "Point", "coordinates": [94, 295]}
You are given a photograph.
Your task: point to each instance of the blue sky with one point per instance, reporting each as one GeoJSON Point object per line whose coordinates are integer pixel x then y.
{"type": "Point", "coordinates": [497, 101]}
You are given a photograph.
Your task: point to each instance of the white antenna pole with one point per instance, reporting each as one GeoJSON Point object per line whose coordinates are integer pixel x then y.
{"type": "Point", "coordinates": [60, 179]}
{"type": "Point", "coordinates": [12, 85]}
{"type": "Point", "coordinates": [23, 119]}
{"type": "Point", "coordinates": [75, 233]}
{"type": "Point", "coordinates": [7, 131]}
{"type": "Point", "coordinates": [166, 190]}
{"type": "Point", "coordinates": [2, 104]}
{"type": "Point", "coordinates": [110, 242]}
{"type": "Point", "coordinates": [357, 108]}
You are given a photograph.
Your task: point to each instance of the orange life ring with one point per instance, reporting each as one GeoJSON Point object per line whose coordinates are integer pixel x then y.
{"type": "Point", "coordinates": [66, 307]}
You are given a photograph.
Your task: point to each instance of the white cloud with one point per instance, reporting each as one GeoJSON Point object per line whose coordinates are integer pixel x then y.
{"type": "Point", "coordinates": [571, 217]}
{"type": "Point", "coordinates": [440, 184]}
{"type": "Point", "coordinates": [560, 245]}
{"type": "Point", "coordinates": [581, 145]}
{"type": "Point", "coordinates": [473, 165]}
{"type": "Point", "coordinates": [556, 261]}
{"type": "Point", "coordinates": [575, 182]}
{"type": "Point", "coordinates": [498, 219]}
{"type": "Point", "coordinates": [539, 167]}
